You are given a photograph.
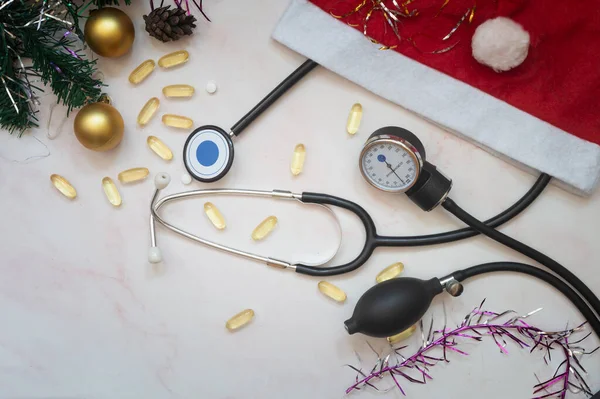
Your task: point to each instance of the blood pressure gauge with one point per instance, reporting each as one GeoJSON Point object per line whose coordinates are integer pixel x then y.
{"type": "Point", "coordinates": [393, 160]}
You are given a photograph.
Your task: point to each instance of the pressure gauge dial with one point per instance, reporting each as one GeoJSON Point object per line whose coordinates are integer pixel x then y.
{"type": "Point", "coordinates": [392, 159]}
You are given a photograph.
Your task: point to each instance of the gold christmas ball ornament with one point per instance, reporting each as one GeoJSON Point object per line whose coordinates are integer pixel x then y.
{"type": "Point", "coordinates": [99, 127]}
{"type": "Point", "coordinates": [109, 32]}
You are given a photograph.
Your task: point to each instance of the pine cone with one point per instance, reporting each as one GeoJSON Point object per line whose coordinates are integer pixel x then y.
{"type": "Point", "coordinates": [169, 25]}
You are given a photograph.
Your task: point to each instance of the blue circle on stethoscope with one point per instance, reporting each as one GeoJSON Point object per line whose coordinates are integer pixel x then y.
{"type": "Point", "coordinates": [381, 158]}
{"type": "Point", "coordinates": [207, 153]}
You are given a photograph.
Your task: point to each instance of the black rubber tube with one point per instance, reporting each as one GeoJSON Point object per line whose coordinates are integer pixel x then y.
{"type": "Point", "coordinates": [370, 234]}
{"type": "Point", "coordinates": [526, 250]}
{"type": "Point", "coordinates": [373, 240]}
{"type": "Point", "coordinates": [554, 281]}
{"type": "Point", "coordinates": [468, 232]}
{"type": "Point", "coordinates": [277, 92]}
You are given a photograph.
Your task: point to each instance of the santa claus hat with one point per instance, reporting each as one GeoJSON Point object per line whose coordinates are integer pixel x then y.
{"type": "Point", "coordinates": [561, 139]}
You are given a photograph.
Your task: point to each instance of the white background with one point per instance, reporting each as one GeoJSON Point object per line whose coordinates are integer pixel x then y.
{"type": "Point", "coordinates": [83, 315]}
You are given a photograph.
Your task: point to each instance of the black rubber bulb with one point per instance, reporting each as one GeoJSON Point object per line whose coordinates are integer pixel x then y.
{"type": "Point", "coordinates": [392, 306]}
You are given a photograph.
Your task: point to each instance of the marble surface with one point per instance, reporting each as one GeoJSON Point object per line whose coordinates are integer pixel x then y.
{"type": "Point", "coordinates": [83, 314]}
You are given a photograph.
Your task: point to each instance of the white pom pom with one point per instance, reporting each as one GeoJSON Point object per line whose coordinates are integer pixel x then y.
{"type": "Point", "coordinates": [154, 255]}
{"type": "Point", "coordinates": [162, 180]}
{"type": "Point", "coordinates": [500, 43]}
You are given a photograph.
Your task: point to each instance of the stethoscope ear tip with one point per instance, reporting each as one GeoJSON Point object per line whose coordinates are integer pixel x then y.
{"type": "Point", "coordinates": [154, 255]}
{"type": "Point", "coordinates": [162, 180]}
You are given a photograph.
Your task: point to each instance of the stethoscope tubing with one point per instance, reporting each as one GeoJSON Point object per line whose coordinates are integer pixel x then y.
{"type": "Point", "coordinates": [372, 239]}
{"type": "Point", "coordinates": [270, 98]}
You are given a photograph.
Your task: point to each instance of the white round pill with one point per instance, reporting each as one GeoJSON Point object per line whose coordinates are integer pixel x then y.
{"type": "Point", "coordinates": [211, 87]}
{"type": "Point", "coordinates": [186, 179]}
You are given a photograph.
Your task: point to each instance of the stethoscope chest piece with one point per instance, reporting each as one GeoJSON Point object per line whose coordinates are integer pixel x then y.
{"type": "Point", "coordinates": [208, 153]}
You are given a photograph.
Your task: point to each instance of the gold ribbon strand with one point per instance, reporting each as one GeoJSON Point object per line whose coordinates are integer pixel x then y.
{"type": "Point", "coordinates": [393, 15]}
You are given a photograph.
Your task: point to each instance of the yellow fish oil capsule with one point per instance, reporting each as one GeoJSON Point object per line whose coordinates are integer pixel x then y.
{"type": "Point", "coordinates": [178, 91]}
{"type": "Point", "coordinates": [332, 291]}
{"type": "Point", "coordinates": [159, 148]}
{"type": "Point", "coordinates": [133, 175]}
{"type": "Point", "coordinates": [173, 59]}
{"type": "Point", "coordinates": [110, 189]}
{"type": "Point", "coordinates": [240, 320]}
{"type": "Point", "coordinates": [264, 228]}
{"type": "Point", "coordinates": [63, 186]}
{"type": "Point", "coordinates": [394, 339]}
{"type": "Point", "coordinates": [390, 272]}
{"type": "Point", "coordinates": [148, 111]}
{"type": "Point", "coordinates": [354, 119]}
{"type": "Point", "coordinates": [178, 121]}
{"type": "Point", "coordinates": [214, 215]}
{"type": "Point", "coordinates": [142, 72]}
{"type": "Point", "coordinates": [298, 159]}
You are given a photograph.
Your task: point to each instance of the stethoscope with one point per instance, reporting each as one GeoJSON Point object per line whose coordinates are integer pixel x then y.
{"type": "Point", "coordinates": [394, 160]}
{"type": "Point", "coordinates": [208, 151]}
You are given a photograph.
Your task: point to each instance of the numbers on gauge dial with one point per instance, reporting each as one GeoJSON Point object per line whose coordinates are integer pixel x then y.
{"type": "Point", "coordinates": [389, 166]}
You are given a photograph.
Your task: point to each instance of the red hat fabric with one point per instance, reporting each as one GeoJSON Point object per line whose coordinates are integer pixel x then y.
{"type": "Point", "coordinates": [559, 82]}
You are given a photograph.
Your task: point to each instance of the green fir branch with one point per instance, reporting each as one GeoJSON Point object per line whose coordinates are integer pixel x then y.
{"type": "Point", "coordinates": [68, 74]}
{"type": "Point", "coordinates": [74, 12]}
{"type": "Point", "coordinates": [51, 49]}
{"type": "Point", "coordinates": [10, 119]}
{"type": "Point", "coordinates": [17, 112]}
